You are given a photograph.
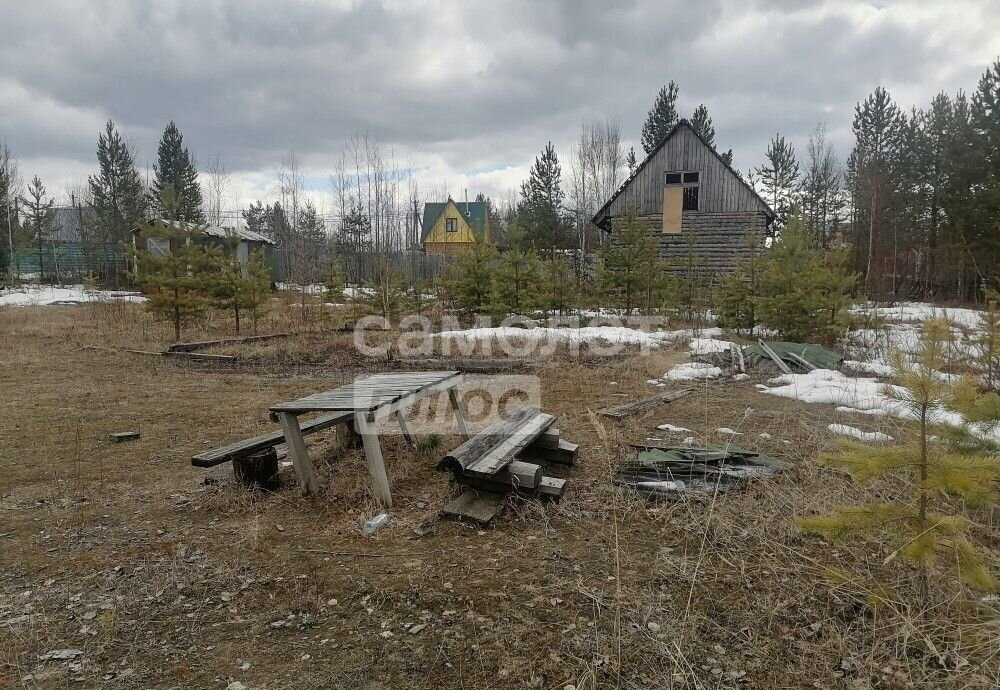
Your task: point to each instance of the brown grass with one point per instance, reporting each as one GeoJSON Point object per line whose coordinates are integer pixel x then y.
{"type": "Point", "coordinates": [123, 552]}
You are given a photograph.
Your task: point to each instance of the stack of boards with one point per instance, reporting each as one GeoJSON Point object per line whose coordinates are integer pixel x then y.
{"type": "Point", "coordinates": [503, 458]}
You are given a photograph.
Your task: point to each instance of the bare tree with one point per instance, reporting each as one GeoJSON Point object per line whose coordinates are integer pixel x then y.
{"type": "Point", "coordinates": [597, 164]}
{"type": "Point", "coordinates": [217, 182]}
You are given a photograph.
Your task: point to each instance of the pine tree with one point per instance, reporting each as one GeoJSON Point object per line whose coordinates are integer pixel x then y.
{"type": "Point", "coordinates": [117, 192]}
{"type": "Point", "coordinates": [560, 285]}
{"type": "Point", "coordinates": [727, 158]}
{"type": "Point", "coordinates": [257, 292]}
{"type": "Point", "coordinates": [661, 118]}
{"type": "Point", "coordinates": [804, 292]}
{"type": "Point", "coordinates": [177, 284]}
{"type": "Point", "coordinates": [175, 168]}
{"type": "Point", "coordinates": [987, 342]}
{"type": "Point", "coordinates": [822, 201]}
{"type": "Point", "coordinates": [228, 282]}
{"type": "Point", "coordinates": [738, 292]}
{"type": "Point", "coordinates": [39, 220]}
{"type": "Point", "coordinates": [255, 216]}
{"type": "Point", "coordinates": [471, 277]}
{"type": "Point", "coordinates": [986, 121]}
{"type": "Point", "coordinates": [518, 283]}
{"type": "Point", "coordinates": [929, 527]}
{"type": "Point", "coordinates": [630, 160]}
{"type": "Point", "coordinates": [540, 212]}
{"type": "Point", "coordinates": [778, 177]}
{"type": "Point", "coordinates": [701, 123]}
{"type": "Point", "coordinates": [632, 270]}
{"type": "Point", "coordinates": [388, 290]}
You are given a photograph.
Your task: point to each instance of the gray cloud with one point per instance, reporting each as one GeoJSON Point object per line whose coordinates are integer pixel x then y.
{"type": "Point", "coordinates": [460, 86]}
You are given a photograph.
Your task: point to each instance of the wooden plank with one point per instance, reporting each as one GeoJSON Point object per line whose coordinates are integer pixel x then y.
{"type": "Point", "coordinates": [122, 436]}
{"type": "Point", "coordinates": [552, 487]}
{"type": "Point", "coordinates": [486, 440]}
{"type": "Point", "coordinates": [503, 454]}
{"type": "Point", "coordinates": [249, 446]}
{"type": "Point", "coordinates": [479, 506]}
{"type": "Point", "coordinates": [202, 356]}
{"type": "Point", "coordinates": [456, 406]}
{"type": "Point", "coordinates": [548, 439]}
{"type": "Point", "coordinates": [803, 361]}
{"type": "Point", "coordinates": [518, 475]}
{"type": "Point", "coordinates": [297, 452]}
{"type": "Point", "coordinates": [565, 454]}
{"type": "Point", "coordinates": [644, 404]}
{"type": "Point", "coordinates": [373, 454]}
{"type": "Point", "coordinates": [202, 344]}
{"type": "Point", "coordinates": [774, 357]}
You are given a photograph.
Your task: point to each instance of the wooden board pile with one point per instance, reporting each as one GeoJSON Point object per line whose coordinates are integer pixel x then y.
{"type": "Point", "coordinates": [503, 458]}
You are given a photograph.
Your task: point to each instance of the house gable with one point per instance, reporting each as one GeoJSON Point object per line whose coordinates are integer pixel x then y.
{"type": "Point", "coordinates": [721, 189]}
{"type": "Point", "coordinates": [439, 217]}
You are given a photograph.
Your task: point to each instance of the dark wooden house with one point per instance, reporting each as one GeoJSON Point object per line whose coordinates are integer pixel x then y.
{"type": "Point", "coordinates": [699, 209]}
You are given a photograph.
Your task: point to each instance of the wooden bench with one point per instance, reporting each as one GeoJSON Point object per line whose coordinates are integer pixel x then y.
{"type": "Point", "coordinates": [251, 446]}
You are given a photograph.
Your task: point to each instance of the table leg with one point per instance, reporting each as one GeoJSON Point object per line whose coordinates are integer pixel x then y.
{"type": "Point", "coordinates": [297, 451]}
{"type": "Point", "coordinates": [456, 405]}
{"type": "Point", "coordinates": [373, 453]}
{"type": "Point", "coordinates": [401, 418]}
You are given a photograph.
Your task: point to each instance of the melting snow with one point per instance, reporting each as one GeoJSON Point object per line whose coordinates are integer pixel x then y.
{"type": "Point", "coordinates": [34, 295]}
{"type": "Point", "coordinates": [693, 371]}
{"type": "Point", "coordinates": [854, 432]}
{"type": "Point", "coordinates": [705, 346]}
{"type": "Point", "coordinates": [611, 334]}
{"type": "Point", "coordinates": [728, 431]}
{"type": "Point", "coordinates": [671, 427]}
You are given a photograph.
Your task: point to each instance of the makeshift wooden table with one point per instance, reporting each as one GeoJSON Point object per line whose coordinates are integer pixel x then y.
{"type": "Point", "coordinates": [369, 399]}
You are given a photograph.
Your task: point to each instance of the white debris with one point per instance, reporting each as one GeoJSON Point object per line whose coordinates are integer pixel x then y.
{"type": "Point", "coordinates": [671, 427]}
{"type": "Point", "coordinates": [729, 432]}
{"type": "Point", "coordinates": [764, 435]}
{"type": "Point", "coordinates": [741, 377]}
{"type": "Point", "coordinates": [693, 371]}
{"type": "Point", "coordinates": [705, 346]}
{"type": "Point", "coordinates": [688, 441]}
{"type": "Point", "coordinates": [60, 655]}
{"type": "Point", "coordinates": [854, 432]}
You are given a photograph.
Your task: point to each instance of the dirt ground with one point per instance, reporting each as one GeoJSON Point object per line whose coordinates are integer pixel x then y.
{"type": "Point", "coordinates": [125, 553]}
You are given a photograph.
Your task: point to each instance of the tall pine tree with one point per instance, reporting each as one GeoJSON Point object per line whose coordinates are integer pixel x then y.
{"type": "Point", "coordinates": [701, 122]}
{"type": "Point", "coordinates": [39, 221]}
{"type": "Point", "coordinates": [661, 118]}
{"type": "Point", "coordinates": [175, 168]}
{"type": "Point", "coordinates": [540, 212]}
{"type": "Point", "coordinates": [117, 192]}
{"type": "Point", "coordinates": [778, 176]}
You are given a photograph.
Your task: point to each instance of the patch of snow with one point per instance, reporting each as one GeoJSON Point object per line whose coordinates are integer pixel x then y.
{"type": "Point", "coordinates": [741, 377]}
{"type": "Point", "coordinates": [877, 367]}
{"type": "Point", "coordinates": [671, 427]}
{"type": "Point", "coordinates": [610, 334]}
{"type": "Point", "coordinates": [877, 412]}
{"type": "Point", "coordinates": [854, 432]}
{"type": "Point", "coordinates": [34, 295]}
{"type": "Point", "coordinates": [689, 441]}
{"type": "Point", "coordinates": [730, 432]}
{"type": "Point", "coordinates": [764, 435]}
{"type": "Point", "coordinates": [706, 346]}
{"type": "Point", "coordinates": [693, 371]}
{"type": "Point", "coordinates": [914, 312]}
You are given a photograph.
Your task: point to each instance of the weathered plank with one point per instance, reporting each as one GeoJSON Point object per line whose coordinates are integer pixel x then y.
{"type": "Point", "coordinates": [777, 360]}
{"type": "Point", "coordinates": [565, 453]}
{"type": "Point", "coordinates": [249, 446]}
{"type": "Point", "coordinates": [486, 440]}
{"type": "Point", "coordinates": [552, 487]}
{"type": "Point", "coordinates": [644, 404]}
{"type": "Point", "coordinates": [202, 344]}
{"type": "Point", "coordinates": [516, 475]}
{"type": "Point", "coordinates": [202, 356]}
{"type": "Point", "coordinates": [472, 504]}
{"type": "Point", "coordinates": [121, 436]}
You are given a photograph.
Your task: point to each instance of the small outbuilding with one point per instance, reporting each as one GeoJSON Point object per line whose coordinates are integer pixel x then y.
{"type": "Point", "coordinates": [701, 211]}
{"type": "Point", "coordinates": [239, 240]}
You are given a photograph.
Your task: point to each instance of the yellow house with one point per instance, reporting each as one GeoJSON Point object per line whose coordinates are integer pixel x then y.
{"type": "Point", "coordinates": [452, 226]}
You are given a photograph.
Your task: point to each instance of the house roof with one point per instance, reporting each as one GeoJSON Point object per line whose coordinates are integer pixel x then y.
{"type": "Point", "coordinates": [474, 212]}
{"type": "Point", "coordinates": [66, 222]}
{"type": "Point", "coordinates": [596, 220]}
{"type": "Point", "coordinates": [215, 231]}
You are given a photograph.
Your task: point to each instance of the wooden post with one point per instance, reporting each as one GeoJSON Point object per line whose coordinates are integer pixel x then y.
{"type": "Point", "coordinates": [258, 470]}
{"type": "Point", "coordinates": [297, 451]}
{"type": "Point", "coordinates": [456, 405]}
{"type": "Point", "coordinates": [373, 453]}
{"type": "Point", "coordinates": [347, 435]}
{"type": "Point", "coordinates": [401, 418]}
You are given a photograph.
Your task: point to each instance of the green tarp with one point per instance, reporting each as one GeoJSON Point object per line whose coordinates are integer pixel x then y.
{"type": "Point", "coordinates": [817, 355]}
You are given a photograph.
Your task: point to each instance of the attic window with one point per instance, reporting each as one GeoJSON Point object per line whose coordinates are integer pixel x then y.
{"type": "Point", "coordinates": [690, 178]}
{"type": "Point", "coordinates": [451, 224]}
{"type": "Point", "coordinates": [672, 178]}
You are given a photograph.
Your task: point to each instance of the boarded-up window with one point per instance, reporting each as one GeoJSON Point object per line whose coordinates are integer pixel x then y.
{"type": "Point", "coordinates": [158, 246]}
{"type": "Point", "coordinates": [672, 206]}
{"type": "Point", "coordinates": [451, 224]}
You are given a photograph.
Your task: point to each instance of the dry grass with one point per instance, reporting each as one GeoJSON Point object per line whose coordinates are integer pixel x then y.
{"type": "Point", "coordinates": [121, 551]}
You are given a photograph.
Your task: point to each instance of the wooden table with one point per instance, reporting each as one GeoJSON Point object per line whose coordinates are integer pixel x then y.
{"type": "Point", "coordinates": [369, 399]}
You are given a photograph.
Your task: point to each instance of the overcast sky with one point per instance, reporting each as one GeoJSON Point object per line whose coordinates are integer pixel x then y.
{"type": "Point", "coordinates": [466, 92]}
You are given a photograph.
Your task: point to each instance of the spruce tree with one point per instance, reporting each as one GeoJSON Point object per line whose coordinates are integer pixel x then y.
{"type": "Point", "coordinates": [928, 528]}
{"type": "Point", "coordinates": [986, 342]}
{"type": "Point", "coordinates": [986, 121]}
{"type": "Point", "coordinates": [255, 216]}
{"type": "Point", "coordinates": [39, 219]}
{"type": "Point", "coordinates": [117, 192]}
{"type": "Point", "coordinates": [387, 292]}
{"type": "Point", "coordinates": [228, 281]}
{"type": "Point", "coordinates": [257, 293]}
{"type": "Point", "coordinates": [661, 118]}
{"type": "Point", "coordinates": [540, 212]}
{"type": "Point", "coordinates": [175, 168]}
{"type": "Point", "coordinates": [778, 177]}
{"type": "Point", "coordinates": [560, 285]}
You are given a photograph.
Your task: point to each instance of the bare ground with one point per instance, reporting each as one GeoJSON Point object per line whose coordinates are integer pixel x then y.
{"type": "Point", "coordinates": [123, 552]}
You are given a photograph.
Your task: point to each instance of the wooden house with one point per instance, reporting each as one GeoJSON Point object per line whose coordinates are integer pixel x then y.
{"type": "Point", "coordinates": [698, 207]}
{"type": "Point", "coordinates": [451, 227]}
